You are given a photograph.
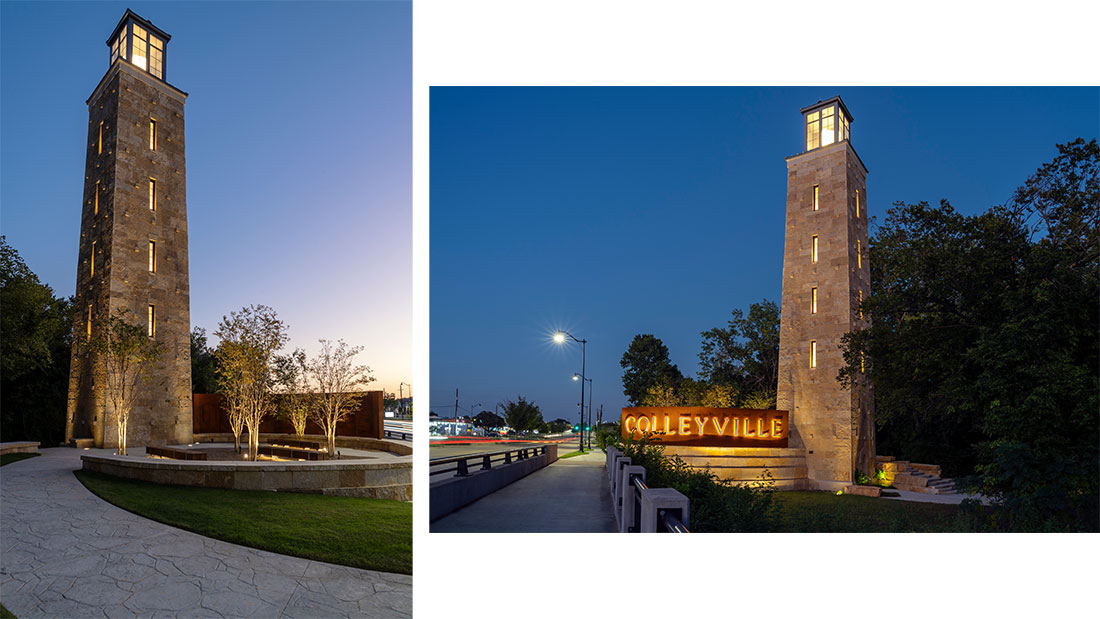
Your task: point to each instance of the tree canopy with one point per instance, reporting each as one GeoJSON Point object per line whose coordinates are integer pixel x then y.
{"type": "Point", "coordinates": [646, 364]}
{"type": "Point", "coordinates": [521, 415]}
{"type": "Point", "coordinates": [204, 376]}
{"type": "Point", "coordinates": [745, 354]}
{"type": "Point", "coordinates": [983, 349]}
{"type": "Point", "coordinates": [36, 331]}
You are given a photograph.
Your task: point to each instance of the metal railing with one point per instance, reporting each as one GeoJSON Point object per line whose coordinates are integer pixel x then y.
{"type": "Point", "coordinates": [400, 430]}
{"type": "Point", "coordinates": [486, 460]}
{"type": "Point", "coordinates": [638, 508]}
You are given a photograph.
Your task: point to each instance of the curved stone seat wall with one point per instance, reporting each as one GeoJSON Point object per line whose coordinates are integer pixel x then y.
{"type": "Point", "coordinates": [380, 480]}
{"type": "Point", "coordinates": [350, 442]}
{"type": "Point", "coordinates": [747, 464]}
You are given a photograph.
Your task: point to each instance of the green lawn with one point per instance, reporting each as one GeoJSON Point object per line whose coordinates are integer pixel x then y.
{"type": "Point", "coordinates": [826, 512]}
{"type": "Point", "coordinates": [9, 458]}
{"type": "Point", "coordinates": [5, 613]}
{"type": "Point", "coordinates": [373, 534]}
{"type": "Point", "coordinates": [573, 454]}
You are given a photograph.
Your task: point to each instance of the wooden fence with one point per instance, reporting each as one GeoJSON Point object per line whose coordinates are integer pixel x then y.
{"type": "Point", "coordinates": [208, 417]}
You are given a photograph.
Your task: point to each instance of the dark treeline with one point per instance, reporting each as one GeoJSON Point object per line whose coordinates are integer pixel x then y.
{"type": "Point", "coordinates": [36, 334]}
{"type": "Point", "coordinates": [984, 346]}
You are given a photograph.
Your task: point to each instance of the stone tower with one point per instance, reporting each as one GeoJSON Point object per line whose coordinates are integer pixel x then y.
{"type": "Point", "coordinates": [133, 240]}
{"type": "Point", "coordinates": [825, 276]}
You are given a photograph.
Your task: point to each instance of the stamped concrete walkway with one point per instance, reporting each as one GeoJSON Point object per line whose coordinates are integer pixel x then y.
{"type": "Point", "coordinates": [66, 553]}
{"type": "Point", "coordinates": [569, 496]}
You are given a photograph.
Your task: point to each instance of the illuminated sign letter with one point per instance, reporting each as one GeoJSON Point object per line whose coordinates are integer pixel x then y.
{"type": "Point", "coordinates": [720, 429]}
{"type": "Point", "coordinates": [685, 425]}
{"type": "Point", "coordinates": [626, 424]}
{"type": "Point", "coordinates": [748, 428]}
{"type": "Point", "coordinates": [700, 423]}
{"type": "Point", "coordinates": [646, 420]}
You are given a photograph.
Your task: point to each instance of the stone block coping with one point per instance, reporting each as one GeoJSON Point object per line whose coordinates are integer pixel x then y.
{"type": "Point", "coordinates": [350, 442]}
{"type": "Point", "coordinates": [19, 447]}
{"type": "Point", "coordinates": [382, 476]}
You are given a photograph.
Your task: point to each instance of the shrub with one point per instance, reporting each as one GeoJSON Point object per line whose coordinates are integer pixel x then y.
{"type": "Point", "coordinates": [717, 505]}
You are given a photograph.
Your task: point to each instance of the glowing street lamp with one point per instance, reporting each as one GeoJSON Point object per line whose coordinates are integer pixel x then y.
{"type": "Point", "coordinates": [559, 338]}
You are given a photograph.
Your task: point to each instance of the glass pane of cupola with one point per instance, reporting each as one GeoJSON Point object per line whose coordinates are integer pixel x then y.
{"type": "Point", "coordinates": [828, 126]}
{"type": "Point", "coordinates": [140, 57]}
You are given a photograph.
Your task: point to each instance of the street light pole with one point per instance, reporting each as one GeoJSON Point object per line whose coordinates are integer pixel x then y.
{"type": "Point", "coordinates": [576, 377]}
{"type": "Point", "coordinates": [559, 337]}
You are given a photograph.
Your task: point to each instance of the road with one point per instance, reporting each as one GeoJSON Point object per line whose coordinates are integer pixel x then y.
{"type": "Point", "coordinates": [484, 446]}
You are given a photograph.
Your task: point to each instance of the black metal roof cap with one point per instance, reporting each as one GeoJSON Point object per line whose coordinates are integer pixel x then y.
{"type": "Point", "coordinates": [824, 103]}
{"type": "Point", "coordinates": [144, 23]}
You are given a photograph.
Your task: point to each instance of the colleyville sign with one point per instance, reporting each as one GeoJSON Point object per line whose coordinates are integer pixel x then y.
{"type": "Point", "coordinates": [707, 427]}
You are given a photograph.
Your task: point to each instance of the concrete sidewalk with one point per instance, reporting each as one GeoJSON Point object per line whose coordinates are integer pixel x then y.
{"type": "Point", "coordinates": [569, 496]}
{"type": "Point", "coordinates": [67, 553]}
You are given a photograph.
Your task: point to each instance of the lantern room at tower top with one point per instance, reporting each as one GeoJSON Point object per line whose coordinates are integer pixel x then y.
{"type": "Point", "coordinates": [826, 122]}
{"type": "Point", "coordinates": [137, 41]}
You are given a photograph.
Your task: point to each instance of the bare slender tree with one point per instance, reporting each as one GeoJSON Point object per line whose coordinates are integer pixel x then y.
{"type": "Point", "coordinates": [128, 353]}
{"type": "Point", "coordinates": [290, 376]}
{"type": "Point", "coordinates": [333, 382]}
{"type": "Point", "coordinates": [231, 385]}
{"type": "Point", "coordinates": [249, 339]}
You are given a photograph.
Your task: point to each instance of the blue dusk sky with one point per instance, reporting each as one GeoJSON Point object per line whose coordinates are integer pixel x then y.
{"type": "Point", "coordinates": [610, 212]}
{"type": "Point", "coordinates": [299, 136]}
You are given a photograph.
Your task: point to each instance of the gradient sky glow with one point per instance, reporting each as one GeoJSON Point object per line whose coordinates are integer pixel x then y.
{"type": "Point", "coordinates": [615, 211]}
{"type": "Point", "coordinates": [298, 157]}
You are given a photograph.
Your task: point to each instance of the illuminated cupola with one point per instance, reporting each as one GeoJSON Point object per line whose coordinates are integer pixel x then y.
{"type": "Point", "coordinates": [139, 42]}
{"type": "Point", "coordinates": [826, 123]}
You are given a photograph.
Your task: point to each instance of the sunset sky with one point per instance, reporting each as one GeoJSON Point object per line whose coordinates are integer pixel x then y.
{"type": "Point", "coordinates": [298, 127]}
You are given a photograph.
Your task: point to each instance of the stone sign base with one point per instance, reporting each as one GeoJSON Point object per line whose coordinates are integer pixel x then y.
{"type": "Point", "coordinates": [747, 465]}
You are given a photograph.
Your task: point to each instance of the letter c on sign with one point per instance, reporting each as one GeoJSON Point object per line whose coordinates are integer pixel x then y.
{"type": "Point", "coordinates": [626, 424]}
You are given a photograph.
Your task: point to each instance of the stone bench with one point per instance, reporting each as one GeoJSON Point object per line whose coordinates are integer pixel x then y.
{"type": "Point", "coordinates": [295, 443]}
{"type": "Point", "coordinates": [19, 447]}
{"type": "Point", "coordinates": [175, 454]}
{"type": "Point", "coordinates": [863, 490]}
{"type": "Point", "coordinates": [292, 453]}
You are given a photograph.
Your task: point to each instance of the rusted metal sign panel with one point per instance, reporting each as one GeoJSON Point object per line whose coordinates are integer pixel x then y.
{"type": "Point", "coordinates": [707, 427]}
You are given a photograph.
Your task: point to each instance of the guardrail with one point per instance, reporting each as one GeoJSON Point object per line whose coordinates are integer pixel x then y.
{"type": "Point", "coordinates": [400, 430]}
{"type": "Point", "coordinates": [484, 460]}
{"type": "Point", "coordinates": [639, 508]}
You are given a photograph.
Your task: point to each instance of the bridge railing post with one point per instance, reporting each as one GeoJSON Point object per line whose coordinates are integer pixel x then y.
{"type": "Point", "coordinates": [624, 500]}
{"type": "Point", "coordinates": [610, 464]}
{"type": "Point", "coordinates": [656, 500]}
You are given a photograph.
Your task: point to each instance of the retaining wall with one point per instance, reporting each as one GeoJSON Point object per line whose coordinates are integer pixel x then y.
{"type": "Point", "coordinates": [787, 467]}
{"type": "Point", "coordinates": [379, 480]}
{"type": "Point", "coordinates": [451, 493]}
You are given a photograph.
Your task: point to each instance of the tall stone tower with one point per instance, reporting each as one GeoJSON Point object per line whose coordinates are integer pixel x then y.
{"type": "Point", "coordinates": [825, 276]}
{"type": "Point", "coordinates": [133, 239]}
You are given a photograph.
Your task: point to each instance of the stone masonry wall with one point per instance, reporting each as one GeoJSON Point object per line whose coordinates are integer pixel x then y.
{"type": "Point", "coordinates": [825, 418]}
{"type": "Point", "coordinates": [122, 230]}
